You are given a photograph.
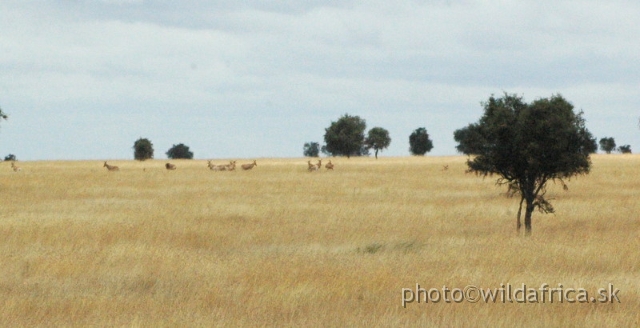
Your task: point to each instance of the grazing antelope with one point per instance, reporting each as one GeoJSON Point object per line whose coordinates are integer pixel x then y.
{"type": "Point", "coordinates": [249, 166]}
{"type": "Point", "coordinates": [445, 167]}
{"type": "Point", "coordinates": [329, 166]}
{"type": "Point", "coordinates": [216, 167]}
{"type": "Point", "coordinates": [170, 166]}
{"type": "Point", "coordinates": [111, 167]}
{"type": "Point", "coordinates": [15, 168]}
{"type": "Point", "coordinates": [311, 167]}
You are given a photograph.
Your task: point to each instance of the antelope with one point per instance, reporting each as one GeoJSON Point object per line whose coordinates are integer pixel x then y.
{"type": "Point", "coordinates": [216, 167]}
{"type": "Point", "coordinates": [231, 166]}
{"type": "Point", "coordinates": [445, 167]}
{"type": "Point", "coordinates": [249, 166]}
{"type": "Point", "coordinates": [319, 164]}
{"type": "Point", "coordinates": [14, 167]}
{"type": "Point", "coordinates": [329, 166]}
{"type": "Point", "coordinates": [170, 166]}
{"type": "Point", "coordinates": [311, 167]}
{"type": "Point", "coordinates": [111, 167]}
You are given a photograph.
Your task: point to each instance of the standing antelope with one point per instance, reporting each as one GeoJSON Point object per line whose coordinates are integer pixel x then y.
{"type": "Point", "coordinates": [445, 167]}
{"type": "Point", "coordinates": [170, 166]}
{"type": "Point", "coordinates": [319, 165]}
{"type": "Point", "coordinates": [231, 166]}
{"type": "Point", "coordinates": [111, 167]}
{"type": "Point", "coordinates": [311, 167]}
{"type": "Point", "coordinates": [329, 166]}
{"type": "Point", "coordinates": [14, 167]}
{"type": "Point", "coordinates": [249, 166]}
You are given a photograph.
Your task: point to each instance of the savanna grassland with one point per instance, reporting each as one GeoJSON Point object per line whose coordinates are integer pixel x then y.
{"type": "Point", "coordinates": [279, 246]}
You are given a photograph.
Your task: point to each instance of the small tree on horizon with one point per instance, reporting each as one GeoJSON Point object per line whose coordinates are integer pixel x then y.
{"type": "Point", "coordinates": [378, 139]}
{"type": "Point", "coordinates": [345, 137]}
{"type": "Point", "coordinates": [179, 151]}
{"type": "Point", "coordinates": [527, 145]}
{"type": "Point", "coordinates": [10, 157]}
{"type": "Point", "coordinates": [311, 149]}
{"type": "Point", "coordinates": [607, 144]}
{"type": "Point", "coordinates": [142, 149]}
{"type": "Point", "coordinates": [419, 142]}
{"type": "Point", "coordinates": [625, 149]}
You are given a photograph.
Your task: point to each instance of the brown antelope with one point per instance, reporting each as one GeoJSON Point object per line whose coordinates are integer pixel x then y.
{"type": "Point", "coordinates": [231, 166]}
{"type": "Point", "coordinates": [170, 166]}
{"type": "Point", "coordinates": [249, 166]}
{"type": "Point", "coordinates": [111, 167]}
{"type": "Point", "coordinates": [445, 167]}
{"type": "Point", "coordinates": [329, 166]}
{"type": "Point", "coordinates": [216, 167]}
{"type": "Point", "coordinates": [319, 165]}
{"type": "Point", "coordinates": [15, 168]}
{"type": "Point", "coordinates": [311, 167]}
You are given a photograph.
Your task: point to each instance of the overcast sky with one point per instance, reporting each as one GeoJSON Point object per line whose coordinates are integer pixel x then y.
{"type": "Point", "coordinates": [83, 79]}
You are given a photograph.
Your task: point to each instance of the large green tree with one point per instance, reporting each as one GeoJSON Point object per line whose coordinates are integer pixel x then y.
{"type": "Point", "coordinates": [345, 137]}
{"type": "Point", "coordinates": [378, 139]}
{"type": "Point", "coordinates": [526, 146]}
{"type": "Point", "coordinates": [142, 149]}
{"type": "Point", "coordinates": [179, 151]}
{"type": "Point", "coordinates": [419, 142]}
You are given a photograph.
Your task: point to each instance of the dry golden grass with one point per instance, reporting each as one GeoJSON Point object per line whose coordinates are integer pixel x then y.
{"type": "Point", "coordinates": [279, 246]}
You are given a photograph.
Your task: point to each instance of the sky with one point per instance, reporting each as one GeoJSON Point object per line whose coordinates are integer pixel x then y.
{"type": "Point", "coordinates": [84, 79]}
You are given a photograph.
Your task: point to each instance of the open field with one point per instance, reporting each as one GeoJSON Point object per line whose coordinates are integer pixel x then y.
{"type": "Point", "coordinates": [279, 246]}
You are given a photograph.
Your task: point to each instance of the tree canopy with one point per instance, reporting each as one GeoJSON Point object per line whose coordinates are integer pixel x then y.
{"type": "Point", "coordinates": [607, 145]}
{"type": "Point", "coordinates": [311, 149]}
{"type": "Point", "coordinates": [179, 151]}
{"type": "Point", "coordinates": [345, 137]}
{"type": "Point", "coordinates": [142, 149]}
{"type": "Point", "coordinates": [378, 139]}
{"type": "Point", "coordinates": [419, 142]}
{"type": "Point", "coordinates": [527, 145]}
{"type": "Point", "coordinates": [625, 149]}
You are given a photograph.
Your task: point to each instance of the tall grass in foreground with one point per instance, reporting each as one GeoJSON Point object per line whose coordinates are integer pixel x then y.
{"type": "Point", "coordinates": [279, 246]}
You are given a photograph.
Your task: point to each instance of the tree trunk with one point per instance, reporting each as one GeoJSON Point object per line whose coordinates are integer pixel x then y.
{"type": "Point", "coordinates": [527, 218]}
{"type": "Point", "coordinates": [376, 154]}
{"type": "Point", "coordinates": [519, 223]}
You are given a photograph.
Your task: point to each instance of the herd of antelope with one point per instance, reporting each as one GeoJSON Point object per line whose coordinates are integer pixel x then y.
{"type": "Point", "coordinates": [222, 167]}
{"type": "Point", "coordinates": [316, 167]}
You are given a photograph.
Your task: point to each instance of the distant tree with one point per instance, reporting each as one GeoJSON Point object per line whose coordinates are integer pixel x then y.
{"type": "Point", "coordinates": [527, 145]}
{"type": "Point", "coordinates": [419, 142]}
{"type": "Point", "coordinates": [142, 149]}
{"type": "Point", "coordinates": [607, 145]}
{"type": "Point", "coordinates": [311, 149]}
{"type": "Point", "coordinates": [345, 137]}
{"type": "Point", "coordinates": [377, 139]}
{"type": "Point", "coordinates": [625, 149]}
{"type": "Point", "coordinates": [179, 151]}
{"type": "Point", "coordinates": [324, 150]}
{"type": "Point", "coordinates": [364, 151]}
